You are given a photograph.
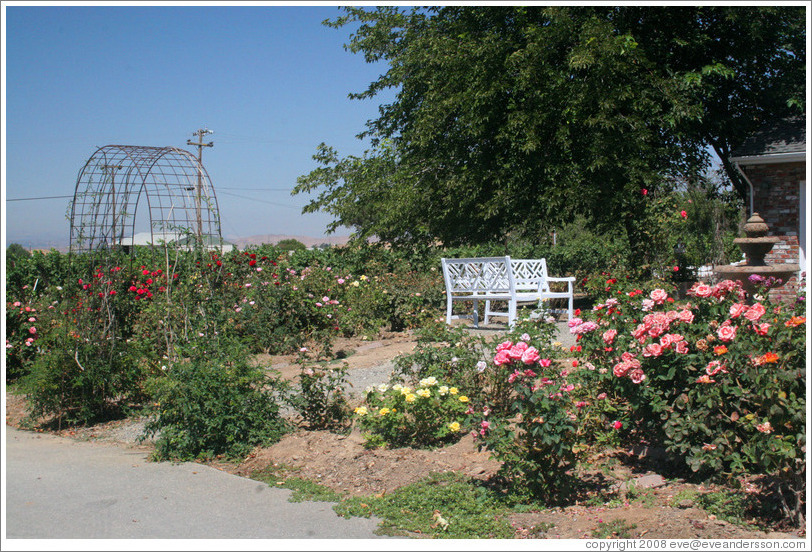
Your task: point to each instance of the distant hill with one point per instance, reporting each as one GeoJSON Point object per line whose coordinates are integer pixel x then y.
{"type": "Point", "coordinates": [273, 239]}
{"type": "Point", "coordinates": [309, 241]}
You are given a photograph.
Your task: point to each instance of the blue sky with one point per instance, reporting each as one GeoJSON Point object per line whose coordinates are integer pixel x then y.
{"type": "Point", "coordinates": [270, 80]}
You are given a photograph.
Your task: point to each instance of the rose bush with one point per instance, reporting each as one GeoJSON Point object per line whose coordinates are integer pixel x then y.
{"type": "Point", "coordinates": [428, 415]}
{"type": "Point", "coordinates": [718, 381]}
{"type": "Point", "coordinates": [535, 437]}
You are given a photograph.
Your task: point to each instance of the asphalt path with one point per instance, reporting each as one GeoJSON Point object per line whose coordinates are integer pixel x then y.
{"type": "Point", "coordinates": [58, 488]}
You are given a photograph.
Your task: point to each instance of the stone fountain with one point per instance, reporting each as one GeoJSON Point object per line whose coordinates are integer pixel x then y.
{"type": "Point", "coordinates": [755, 246]}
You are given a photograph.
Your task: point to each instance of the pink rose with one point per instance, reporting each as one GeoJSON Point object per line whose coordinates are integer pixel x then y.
{"type": "Point", "coordinates": [682, 348]}
{"type": "Point", "coordinates": [755, 312]}
{"type": "Point", "coordinates": [715, 367]}
{"type": "Point", "coordinates": [530, 355]}
{"type": "Point", "coordinates": [32, 330]}
{"type": "Point", "coordinates": [545, 362]}
{"type": "Point", "coordinates": [617, 425]}
{"type": "Point", "coordinates": [504, 345]}
{"type": "Point", "coordinates": [659, 296]}
{"type": "Point", "coordinates": [637, 375]}
{"type": "Point", "coordinates": [621, 369]}
{"type": "Point", "coordinates": [609, 336]}
{"type": "Point", "coordinates": [653, 350]}
{"type": "Point", "coordinates": [518, 350]}
{"type": "Point", "coordinates": [727, 333]}
{"type": "Point", "coordinates": [502, 357]}
{"type": "Point", "coordinates": [737, 309]}
{"type": "Point", "coordinates": [761, 329]}
{"type": "Point", "coordinates": [701, 290]}
{"type": "Point", "coordinates": [686, 316]}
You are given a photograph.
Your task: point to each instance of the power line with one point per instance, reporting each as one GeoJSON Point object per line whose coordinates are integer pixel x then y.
{"type": "Point", "coordinates": [256, 189]}
{"type": "Point", "coordinates": [38, 198]}
{"type": "Point", "coordinates": [262, 201]}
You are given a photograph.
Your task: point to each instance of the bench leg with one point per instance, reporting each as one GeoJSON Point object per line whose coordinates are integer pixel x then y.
{"type": "Point", "coordinates": [476, 313]}
{"type": "Point", "coordinates": [487, 309]}
{"type": "Point", "coordinates": [512, 307]}
{"type": "Point", "coordinates": [569, 308]}
{"type": "Point", "coordinates": [448, 311]}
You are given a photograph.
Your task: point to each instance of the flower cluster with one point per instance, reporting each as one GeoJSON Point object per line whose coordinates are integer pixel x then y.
{"type": "Point", "coordinates": [705, 367]}
{"type": "Point", "coordinates": [397, 415]}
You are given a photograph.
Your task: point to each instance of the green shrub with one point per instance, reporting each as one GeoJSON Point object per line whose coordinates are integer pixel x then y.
{"type": "Point", "coordinates": [321, 400]}
{"type": "Point", "coordinates": [82, 378]}
{"type": "Point", "coordinates": [214, 403]}
{"type": "Point", "coordinates": [430, 415]}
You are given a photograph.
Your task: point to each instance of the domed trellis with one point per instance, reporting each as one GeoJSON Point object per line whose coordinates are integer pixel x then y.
{"type": "Point", "coordinates": [182, 206]}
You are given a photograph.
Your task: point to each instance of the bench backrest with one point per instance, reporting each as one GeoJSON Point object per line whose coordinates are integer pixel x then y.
{"type": "Point", "coordinates": [478, 275]}
{"type": "Point", "coordinates": [530, 274]}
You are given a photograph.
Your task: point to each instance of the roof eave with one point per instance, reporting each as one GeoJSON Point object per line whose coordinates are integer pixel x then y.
{"type": "Point", "coordinates": [766, 159]}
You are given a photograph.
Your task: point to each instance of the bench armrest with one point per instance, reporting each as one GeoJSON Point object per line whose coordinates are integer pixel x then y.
{"type": "Point", "coordinates": [567, 279]}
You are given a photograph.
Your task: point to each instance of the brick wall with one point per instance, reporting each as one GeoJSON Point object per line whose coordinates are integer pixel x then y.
{"type": "Point", "coordinates": [777, 201]}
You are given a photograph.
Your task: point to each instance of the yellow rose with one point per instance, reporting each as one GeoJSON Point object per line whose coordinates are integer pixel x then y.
{"type": "Point", "coordinates": [463, 398]}
{"type": "Point", "coordinates": [425, 393]}
{"type": "Point", "coordinates": [405, 390]}
{"type": "Point", "coordinates": [383, 411]}
{"type": "Point", "coordinates": [361, 410]}
{"type": "Point", "coordinates": [443, 390]}
{"type": "Point", "coordinates": [454, 426]}
{"type": "Point", "coordinates": [410, 398]}
{"type": "Point", "coordinates": [453, 390]}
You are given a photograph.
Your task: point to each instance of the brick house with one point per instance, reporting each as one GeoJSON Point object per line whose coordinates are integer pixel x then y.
{"type": "Point", "coordinates": [773, 161]}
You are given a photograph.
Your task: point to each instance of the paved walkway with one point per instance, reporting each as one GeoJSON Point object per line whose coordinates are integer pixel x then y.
{"type": "Point", "coordinates": [58, 488]}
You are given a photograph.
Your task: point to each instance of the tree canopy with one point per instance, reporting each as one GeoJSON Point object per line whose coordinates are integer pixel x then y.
{"type": "Point", "coordinates": [514, 119]}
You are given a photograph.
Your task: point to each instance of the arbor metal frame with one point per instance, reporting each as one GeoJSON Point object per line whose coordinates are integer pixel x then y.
{"type": "Point", "coordinates": [178, 192]}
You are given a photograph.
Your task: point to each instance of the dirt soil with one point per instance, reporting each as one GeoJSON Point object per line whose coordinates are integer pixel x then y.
{"type": "Point", "coordinates": [342, 463]}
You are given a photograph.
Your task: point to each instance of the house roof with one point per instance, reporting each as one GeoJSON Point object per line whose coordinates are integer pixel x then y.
{"type": "Point", "coordinates": [782, 138]}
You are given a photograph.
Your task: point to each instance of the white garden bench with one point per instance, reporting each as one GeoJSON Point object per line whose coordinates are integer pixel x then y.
{"type": "Point", "coordinates": [500, 279]}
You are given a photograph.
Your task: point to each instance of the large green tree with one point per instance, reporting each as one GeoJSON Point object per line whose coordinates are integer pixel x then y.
{"type": "Point", "coordinates": [516, 119]}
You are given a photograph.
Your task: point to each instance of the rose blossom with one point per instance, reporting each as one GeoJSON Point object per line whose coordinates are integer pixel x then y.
{"type": "Point", "coordinates": [755, 312]}
{"type": "Point", "coordinates": [737, 309]}
{"type": "Point", "coordinates": [653, 350]}
{"type": "Point", "coordinates": [658, 296]}
{"type": "Point", "coordinates": [530, 356]}
{"type": "Point", "coordinates": [504, 345]}
{"type": "Point", "coordinates": [609, 336]}
{"type": "Point", "coordinates": [761, 329]}
{"type": "Point", "coordinates": [682, 348]}
{"type": "Point", "coordinates": [686, 316]}
{"type": "Point", "coordinates": [621, 369]}
{"type": "Point", "coordinates": [766, 427]}
{"type": "Point", "coordinates": [637, 375]}
{"type": "Point", "coordinates": [702, 290]}
{"type": "Point", "coordinates": [502, 357]}
{"type": "Point", "coordinates": [518, 350]}
{"type": "Point", "coordinates": [726, 333]}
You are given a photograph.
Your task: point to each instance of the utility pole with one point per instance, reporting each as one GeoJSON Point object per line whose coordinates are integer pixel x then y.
{"type": "Point", "coordinates": [200, 145]}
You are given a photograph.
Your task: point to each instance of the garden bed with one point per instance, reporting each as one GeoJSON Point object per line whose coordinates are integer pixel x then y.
{"type": "Point", "coordinates": [653, 507]}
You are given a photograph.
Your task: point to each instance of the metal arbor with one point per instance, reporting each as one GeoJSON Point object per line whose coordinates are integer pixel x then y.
{"type": "Point", "coordinates": [179, 196]}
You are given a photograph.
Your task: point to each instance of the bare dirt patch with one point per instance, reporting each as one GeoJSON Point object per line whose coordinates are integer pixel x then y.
{"type": "Point", "coordinates": [342, 463]}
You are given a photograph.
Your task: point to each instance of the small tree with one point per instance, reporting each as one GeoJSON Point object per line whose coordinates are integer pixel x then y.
{"type": "Point", "coordinates": [291, 244]}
